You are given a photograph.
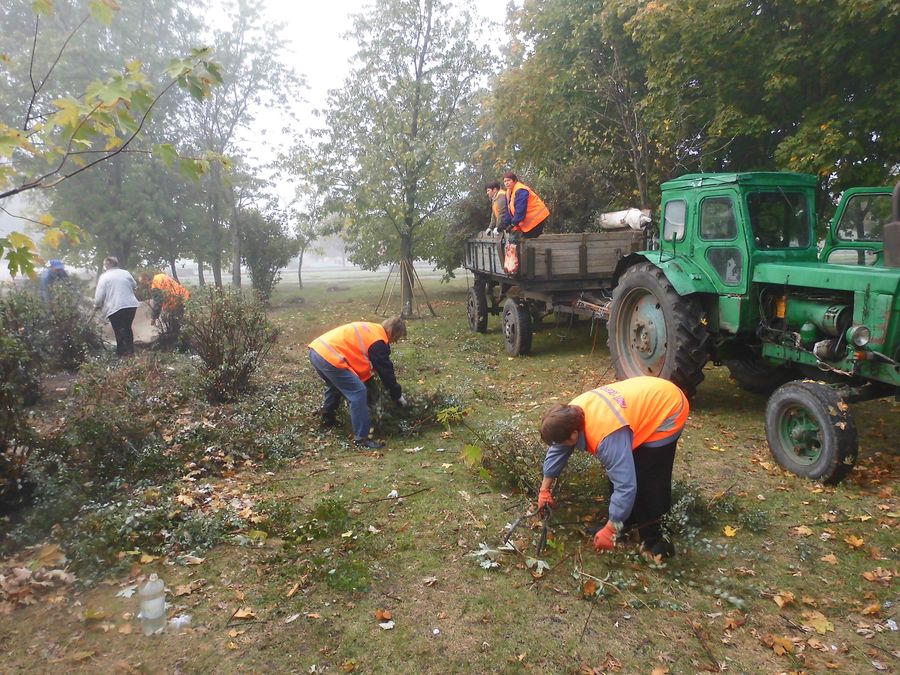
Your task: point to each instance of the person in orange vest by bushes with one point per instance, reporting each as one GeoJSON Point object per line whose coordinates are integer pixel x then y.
{"type": "Point", "coordinates": [632, 427]}
{"type": "Point", "coordinates": [525, 213]}
{"type": "Point", "coordinates": [345, 358]}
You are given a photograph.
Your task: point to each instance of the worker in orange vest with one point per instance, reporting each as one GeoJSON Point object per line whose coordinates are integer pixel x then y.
{"type": "Point", "coordinates": [525, 212]}
{"type": "Point", "coordinates": [345, 358]}
{"type": "Point", "coordinates": [632, 427]}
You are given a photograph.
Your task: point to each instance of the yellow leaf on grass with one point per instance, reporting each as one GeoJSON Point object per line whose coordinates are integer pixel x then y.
{"type": "Point", "coordinates": [780, 645]}
{"type": "Point", "coordinates": [244, 613]}
{"type": "Point", "coordinates": [802, 531]}
{"type": "Point", "coordinates": [854, 541]}
{"type": "Point", "coordinates": [589, 589]}
{"type": "Point", "coordinates": [784, 598]}
{"type": "Point", "coordinates": [729, 531]}
{"type": "Point", "coordinates": [818, 622]}
{"type": "Point", "coordinates": [879, 575]}
{"type": "Point", "coordinates": [831, 559]}
{"type": "Point", "coordinates": [147, 558]}
{"type": "Point", "coordinates": [872, 610]}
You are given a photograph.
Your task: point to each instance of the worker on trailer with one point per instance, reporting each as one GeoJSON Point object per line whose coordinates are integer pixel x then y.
{"type": "Point", "coordinates": [345, 358]}
{"type": "Point", "coordinates": [497, 196]}
{"type": "Point", "coordinates": [525, 213]}
{"type": "Point", "coordinates": [632, 427]}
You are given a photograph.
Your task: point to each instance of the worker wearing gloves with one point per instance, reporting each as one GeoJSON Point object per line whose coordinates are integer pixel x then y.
{"type": "Point", "coordinates": [632, 427]}
{"type": "Point", "coordinates": [526, 212]}
{"type": "Point", "coordinates": [497, 197]}
{"type": "Point", "coordinates": [345, 358]}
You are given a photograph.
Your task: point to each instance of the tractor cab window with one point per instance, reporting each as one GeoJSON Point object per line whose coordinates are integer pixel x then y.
{"type": "Point", "coordinates": [673, 220]}
{"type": "Point", "coordinates": [779, 219]}
{"type": "Point", "coordinates": [717, 219]}
{"type": "Point", "coordinates": [864, 218]}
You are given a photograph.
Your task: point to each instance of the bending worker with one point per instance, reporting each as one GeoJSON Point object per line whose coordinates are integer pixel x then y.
{"type": "Point", "coordinates": [345, 357]}
{"type": "Point", "coordinates": [632, 427]}
{"type": "Point", "coordinates": [525, 211]}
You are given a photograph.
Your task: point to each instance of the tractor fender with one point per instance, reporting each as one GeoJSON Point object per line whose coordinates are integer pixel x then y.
{"type": "Point", "coordinates": [685, 276]}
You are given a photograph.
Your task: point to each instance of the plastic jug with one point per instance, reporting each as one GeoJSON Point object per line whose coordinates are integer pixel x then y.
{"type": "Point", "coordinates": [153, 605]}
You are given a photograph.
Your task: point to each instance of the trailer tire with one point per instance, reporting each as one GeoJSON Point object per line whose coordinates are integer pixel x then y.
{"type": "Point", "coordinates": [516, 328]}
{"type": "Point", "coordinates": [810, 431]}
{"type": "Point", "coordinates": [654, 331]}
{"type": "Point", "coordinates": [477, 308]}
{"type": "Point", "coordinates": [758, 376]}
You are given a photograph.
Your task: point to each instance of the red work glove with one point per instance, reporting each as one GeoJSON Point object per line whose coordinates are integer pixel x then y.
{"type": "Point", "coordinates": [605, 539]}
{"type": "Point", "coordinates": [545, 498]}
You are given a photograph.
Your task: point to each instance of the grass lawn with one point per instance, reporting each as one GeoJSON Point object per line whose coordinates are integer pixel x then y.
{"type": "Point", "coordinates": [774, 574]}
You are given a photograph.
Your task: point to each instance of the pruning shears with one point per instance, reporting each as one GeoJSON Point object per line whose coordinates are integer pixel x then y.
{"type": "Point", "coordinates": [546, 514]}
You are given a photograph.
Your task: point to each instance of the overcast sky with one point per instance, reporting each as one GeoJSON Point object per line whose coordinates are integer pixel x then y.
{"type": "Point", "coordinates": [319, 52]}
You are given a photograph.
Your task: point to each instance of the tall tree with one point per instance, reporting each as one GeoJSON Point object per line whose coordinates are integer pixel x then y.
{"type": "Point", "coordinates": [400, 128]}
{"type": "Point", "coordinates": [257, 77]}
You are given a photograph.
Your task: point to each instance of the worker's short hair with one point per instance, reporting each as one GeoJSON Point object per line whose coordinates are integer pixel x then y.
{"type": "Point", "coordinates": [560, 421]}
{"type": "Point", "coordinates": [493, 185]}
{"type": "Point", "coordinates": [395, 327]}
{"type": "Point", "coordinates": [513, 177]}
{"type": "Point", "coordinates": [146, 277]}
{"type": "Point", "coordinates": [110, 261]}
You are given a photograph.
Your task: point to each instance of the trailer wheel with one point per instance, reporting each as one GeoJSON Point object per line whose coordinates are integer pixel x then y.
{"type": "Point", "coordinates": [810, 431]}
{"type": "Point", "coordinates": [758, 376]}
{"type": "Point", "coordinates": [516, 328]}
{"type": "Point", "coordinates": [477, 309]}
{"type": "Point", "coordinates": [654, 331]}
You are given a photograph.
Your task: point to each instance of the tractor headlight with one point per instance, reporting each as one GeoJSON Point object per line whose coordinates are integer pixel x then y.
{"type": "Point", "coordinates": [858, 336]}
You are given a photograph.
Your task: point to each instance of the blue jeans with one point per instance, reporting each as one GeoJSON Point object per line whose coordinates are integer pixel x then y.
{"type": "Point", "coordinates": [344, 382]}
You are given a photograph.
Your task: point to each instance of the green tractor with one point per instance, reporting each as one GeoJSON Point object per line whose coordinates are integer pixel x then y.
{"type": "Point", "coordinates": [737, 278]}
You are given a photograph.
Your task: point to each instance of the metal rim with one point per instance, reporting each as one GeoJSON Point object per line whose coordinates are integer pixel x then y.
{"type": "Point", "coordinates": [642, 326]}
{"type": "Point", "coordinates": [472, 310]}
{"type": "Point", "coordinates": [510, 328]}
{"type": "Point", "coordinates": [800, 434]}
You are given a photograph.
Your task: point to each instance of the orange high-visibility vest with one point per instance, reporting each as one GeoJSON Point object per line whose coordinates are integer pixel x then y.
{"type": "Point", "coordinates": [495, 205]}
{"type": "Point", "coordinates": [347, 346]}
{"type": "Point", "coordinates": [654, 408]}
{"type": "Point", "coordinates": [535, 214]}
{"type": "Point", "coordinates": [174, 294]}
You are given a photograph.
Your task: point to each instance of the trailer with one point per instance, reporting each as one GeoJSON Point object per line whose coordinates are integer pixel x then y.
{"type": "Point", "coordinates": [558, 274]}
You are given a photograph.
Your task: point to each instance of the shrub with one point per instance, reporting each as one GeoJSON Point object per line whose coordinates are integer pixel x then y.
{"type": "Point", "coordinates": [265, 248]}
{"type": "Point", "coordinates": [71, 338]}
{"type": "Point", "coordinates": [232, 336]}
{"type": "Point", "coordinates": [24, 320]}
{"type": "Point", "coordinates": [13, 431]}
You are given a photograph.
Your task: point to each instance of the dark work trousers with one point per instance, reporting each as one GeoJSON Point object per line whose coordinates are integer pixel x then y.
{"type": "Point", "coordinates": [534, 232]}
{"type": "Point", "coordinates": [653, 471]}
{"type": "Point", "coordinates": [121, 324]}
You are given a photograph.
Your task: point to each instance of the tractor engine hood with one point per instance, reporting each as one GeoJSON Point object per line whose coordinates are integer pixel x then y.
{"type": "Point", "coordinates": [831, 277]}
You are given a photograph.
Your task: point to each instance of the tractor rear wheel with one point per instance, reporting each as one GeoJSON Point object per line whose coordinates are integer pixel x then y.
{"type": "Point", "coordinates": [758, 376]}
{"type": "Point", "coordinates": [477, 309]}
{"type": "Point", "coordinates": [654, 331]}
{"type": "Point", "coordinates": [516, 328]}
{"type": "Point", "coordinates": [810, 431]}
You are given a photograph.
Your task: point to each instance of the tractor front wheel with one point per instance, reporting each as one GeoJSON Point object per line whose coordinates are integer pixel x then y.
{"type": "Point", "coordinates": [810, 431]}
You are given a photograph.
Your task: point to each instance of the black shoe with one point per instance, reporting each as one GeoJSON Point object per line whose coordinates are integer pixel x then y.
{"type": "Point", "coordinates": [368, 444]}
{"type": "Point", "coordinates": [660, 547]}
{"type": "Point", "coordinates": [327, 419]}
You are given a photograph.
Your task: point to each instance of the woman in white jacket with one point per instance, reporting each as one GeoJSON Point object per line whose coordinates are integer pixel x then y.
{"type": "Point", "coordinates": [115, 298]}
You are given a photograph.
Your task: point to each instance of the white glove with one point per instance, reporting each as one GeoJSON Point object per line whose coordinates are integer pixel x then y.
{"type": "Point", "coordinates": [402, 402]}
{"type": "Point", "coordinates": [488, 232]}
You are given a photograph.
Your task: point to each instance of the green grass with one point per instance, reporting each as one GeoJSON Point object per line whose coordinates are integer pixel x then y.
{"type": "Point", "coordinates": [502, 619]}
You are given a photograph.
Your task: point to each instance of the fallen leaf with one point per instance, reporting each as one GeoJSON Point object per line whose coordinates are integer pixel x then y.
{"type": "Point", "coordinates": [91, 614]}
{"type": "Point", "coordinates": [784, 598]}
{"type": "Point", "coordinates": [292, 618]}
{"type": "Point", "coordinates": [831, 559]}
{"type": "Point", "coordinates": [293, 590]}
{"type": "Point", "coordinates": [854, 541]}
{"type": "Point", "coordinates": [660, 670]}
{"type": "Point", "coordinates": [589, 590]}
{"type": "Point", "coordinates": [818, 622]}
{"type": "Point", "coordinates": [232, 645]}
{"type": "Point", "coordinates": [735, 621]}
{"type": "Point", "coordinates": [313, 615]}
{"type": "Point", "coordinates": [125, 629]}
{"type": "Point", "coordinates": [802, 531]}
{"type": "Point", "coordinates": [234, 632]}
{"type": "Point", "coordinates": [383, 615]}
{"type": "Point", "coordinates": [147, 558]}
{"type": "Point", "coordinates": [729, 531]}
{"type": "Point", "coordinates": [429, 581]}
{"type": "Point", "coordinates": [244, 613]}
{"type": "Point", "coordinates": [879, 575]}
{"type": "Point", "coordinates": [873, 609]}
{"type": "Point", "coordinates": [779, 645]}
{"type": "Point", "coordinates": [83, 655]}
{"type": "Point", "coordinates": [348, 666]}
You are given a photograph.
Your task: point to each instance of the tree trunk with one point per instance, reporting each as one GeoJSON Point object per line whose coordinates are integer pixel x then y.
{"type": "Point", "coordinates": [216, 264]}
{"type": "Point", "coordinates": [235, 241]}
{"type": "Point", "coordinates": [406, 281]}
{"type": "Point", "coordinates": [174, 271]}
{"type": "Point", "coordinates": [300, 268]}
{"type": "Point", "coordinates": [200, 278]}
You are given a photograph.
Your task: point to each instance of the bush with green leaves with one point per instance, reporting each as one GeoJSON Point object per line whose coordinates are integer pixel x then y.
{"type": "Point", "coordinates": [231, 335]}
{"type": "Point", "coordinates": [71, 337]}
{"type": "Point", "coordinates": [14, 432]}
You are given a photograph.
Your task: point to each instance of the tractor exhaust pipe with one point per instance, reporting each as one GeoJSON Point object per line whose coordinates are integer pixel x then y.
{"type": "Point", "coordinates": [892, 232]}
